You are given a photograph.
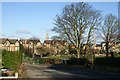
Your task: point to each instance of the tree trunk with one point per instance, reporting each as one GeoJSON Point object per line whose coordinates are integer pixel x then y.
{"type": "Point", "coordinates": [33, 51]}
{"type": "Point", "coordinates": [85, 49]}
{"type": "Point", "coordinates": [41, 56]}
{"type": "Point", "coordinates": [107, 49]}
{"type": "Point", "coordinates": [78, 53]}
{"type": "Point", "coordinates": [33, 55]}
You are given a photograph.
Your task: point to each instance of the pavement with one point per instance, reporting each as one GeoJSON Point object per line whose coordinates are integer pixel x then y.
{"type": "Point", "coordinates": [50, 72]}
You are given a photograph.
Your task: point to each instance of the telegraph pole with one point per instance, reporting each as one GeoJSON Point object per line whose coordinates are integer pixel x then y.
{"type": "Point", "coordinates": [94, 47]}
{"type": "Point", "coordinates": [94, 40]}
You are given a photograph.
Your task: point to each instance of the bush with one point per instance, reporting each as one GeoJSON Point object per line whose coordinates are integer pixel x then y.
{"type": "Point", "coordinates": [76, 61]}
{"type": "Point", "coordinates": [57, 61]}
{"type": "Point", "coordinates": [72, 51]}
{"type": "Point", "coordinates": [42, 60]}
{"type": "Point", "coordinates": [107, 61]}
{"type": "Point", "coordinates": [116, 54]}
{"type": "Point", "coordinates": [47, 60]}
{"type": "Point", "coordinates": [11, 60]}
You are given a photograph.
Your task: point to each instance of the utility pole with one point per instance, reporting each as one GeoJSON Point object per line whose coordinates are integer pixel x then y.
{"type": "Point", "coordinates": [33, 49]}
{"type": "Point", "coordinates": [94, 41]}
{"type": "Point", "coordinates": [94, 47]}
{"type": "Point", "coordinates": [118, 20]}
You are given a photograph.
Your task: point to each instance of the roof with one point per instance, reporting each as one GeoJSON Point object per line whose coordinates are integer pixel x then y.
{"type": "Point", "coordinates": [55, 41]}
{"type": "Point", "coordinates": [48, 41]}
{"type": "Point", "coordinates": [2, 40]}
{"type": "Point", "coordinates": [35, 41]}
{"type": "Point", "coordinates": [72, 46]}
{"type": "Point", "coordinates": [12, 41]}
{"type": "Point", "coordinates": [97, 45]}
{"type": "Point", "coordinates": [61, 41]}
{"type": "Point", "coordinates": [24, 41]}
{"type": "Point", "coordinates": [117, 41]}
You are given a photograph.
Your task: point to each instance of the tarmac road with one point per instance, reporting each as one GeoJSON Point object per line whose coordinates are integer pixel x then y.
{"type": "Point", "coordinates": [50, 72]}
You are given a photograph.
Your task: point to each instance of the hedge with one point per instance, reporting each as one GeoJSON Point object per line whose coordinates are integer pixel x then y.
{"type": "Point", "coordinates": [76, 61]}
{"type": "Point", "coordinates": [104, 61]}
{"type": "Point", "coordinates": [43, 60]}
{"type": "Point", "coordinates": [11, 59]}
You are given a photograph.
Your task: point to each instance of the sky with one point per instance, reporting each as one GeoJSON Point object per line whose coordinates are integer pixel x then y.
{"type": "Point", "coordinates": [28, 19]}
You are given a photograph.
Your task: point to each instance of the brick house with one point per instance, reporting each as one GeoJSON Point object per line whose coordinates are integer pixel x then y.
{"type": "Point", "coordinates": [31, 44]}
{"type": "Point", "coordinates": [9, 44]}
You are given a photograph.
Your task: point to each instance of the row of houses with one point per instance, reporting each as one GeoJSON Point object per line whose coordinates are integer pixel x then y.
{"type": "Point", "coordinates": [14, 44]}
{"type": "Point", "coordinates": [32, 44]}
{"type": "Point", "coordinates": [9, 44]}
{"type": "Point", "coordinates": [56, 45]}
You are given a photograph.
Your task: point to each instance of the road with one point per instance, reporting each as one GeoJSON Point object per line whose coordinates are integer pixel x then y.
{"type": "Point", "coordinates": [44, 71]}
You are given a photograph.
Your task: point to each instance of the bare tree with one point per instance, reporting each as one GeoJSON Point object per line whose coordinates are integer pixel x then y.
{"type": "Point", "coordinates": [74, 22]}
{"type": "Point", "coordinates": [119, 28]}
{"type": "Point", "coordinates": [95, 20]}
{"type": "Point", "coordinates": [44, 51]}
{"type": "Point", "coordinates": [109, 31]}
{"type": "Point", "coordinates": [119, 20]}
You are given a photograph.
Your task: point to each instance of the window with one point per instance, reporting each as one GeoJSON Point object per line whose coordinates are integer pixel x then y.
{"type": "Point", "coordinates": [17, 48]}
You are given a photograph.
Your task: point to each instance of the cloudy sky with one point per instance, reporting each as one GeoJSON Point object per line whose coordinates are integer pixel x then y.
{"type": "Point", "coordinates": [28, 19]}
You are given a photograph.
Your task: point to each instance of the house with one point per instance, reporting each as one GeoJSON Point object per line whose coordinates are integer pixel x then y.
{"type": "Point", "coordinates": [57, 45]}
{"type": "Point", "coordinates": [9, 44]}
{"type": "Point", "coordinates": [2, 41]}
{"type": "Point", "coordinates": [98, 47]}
{"type": "Point", "coordinates": [14, 44]}
{"type": "Point", "coordinates": [113, 46]}
{"type": "Point", "coordinates": [31, 44]}
{"type": "Point", "coordinates": [47, 43]}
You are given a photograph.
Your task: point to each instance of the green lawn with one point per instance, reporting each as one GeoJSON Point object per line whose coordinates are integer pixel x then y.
{"type": "Point", "coordinates": [60, 57]}
{"type": "Point", "coordinates": [115, 56]}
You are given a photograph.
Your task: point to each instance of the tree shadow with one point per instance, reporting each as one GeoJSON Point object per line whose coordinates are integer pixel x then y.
{"type": "Point", "coordinates": [81, 72]}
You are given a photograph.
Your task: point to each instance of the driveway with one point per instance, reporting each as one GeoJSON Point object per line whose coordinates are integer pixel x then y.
{"type": "Point", "coordinates": [45, 71]}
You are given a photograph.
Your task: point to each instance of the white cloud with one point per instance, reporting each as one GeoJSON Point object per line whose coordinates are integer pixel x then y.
{"type": "Point", "coordinates": [23, 32]}
{"type": "Point", "coordinates": [7, 36]}
{"type": "Point", "coordinates": [2, 35]}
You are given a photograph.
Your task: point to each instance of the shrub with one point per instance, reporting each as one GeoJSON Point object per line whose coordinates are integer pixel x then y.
{"type": "Point", "coordinates": [72, 51]}
{"type": "Point", "coordinates": [57, 61]}
{"type": "Point", "coordinates": [107, 61]}
{"type": "Point", "coordinates": [39, 61]}
{"type": "Point", "coordinates": [76, 61]}
{"type": "Point", "coordinates": [42, 60]}
{"type": "Point", "coordinates": [11, 60]}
